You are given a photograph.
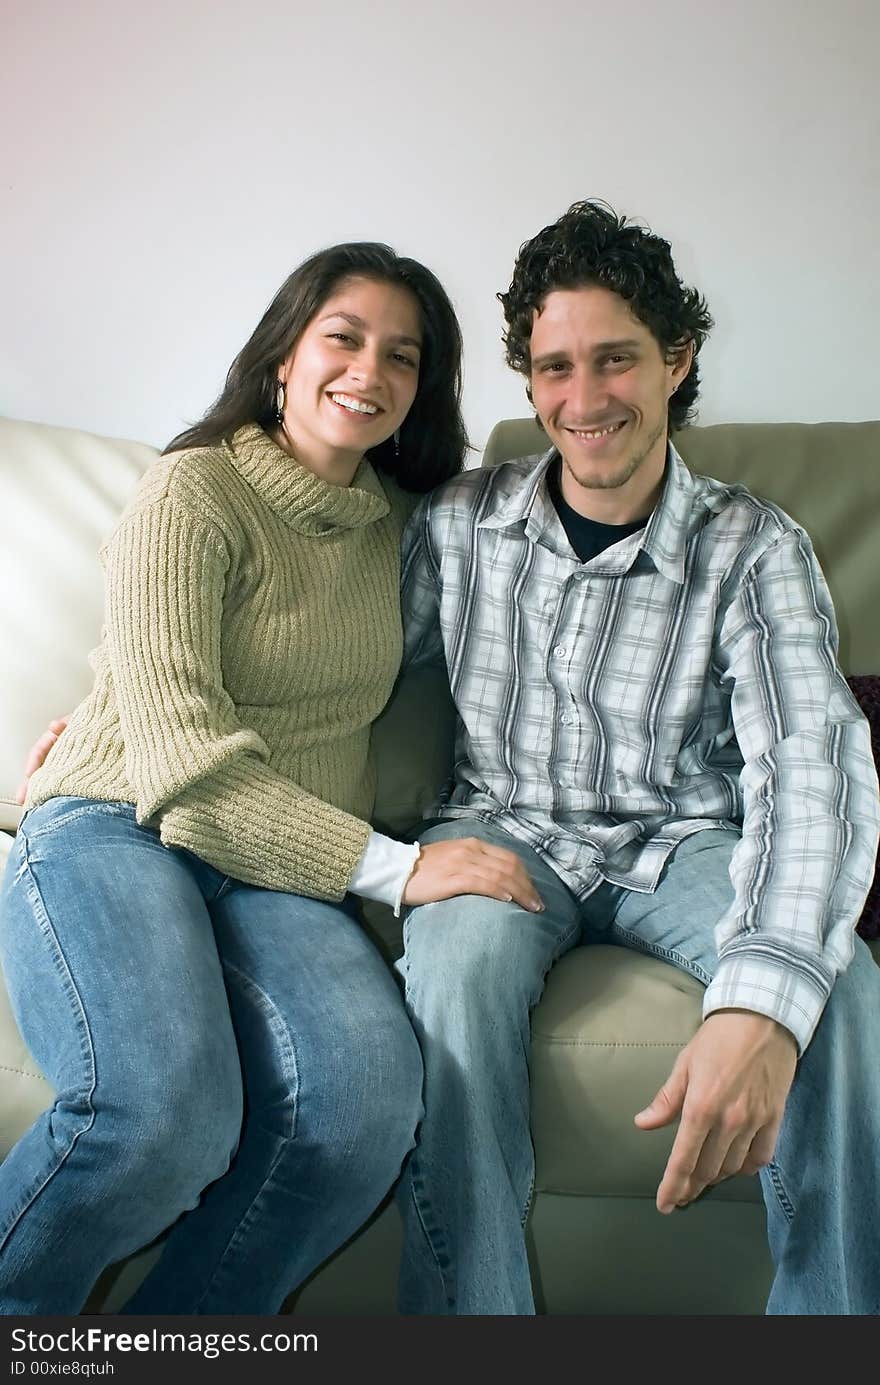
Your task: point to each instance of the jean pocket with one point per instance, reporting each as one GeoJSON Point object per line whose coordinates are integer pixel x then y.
{"type": "Point", "coordinates": [57, 813]}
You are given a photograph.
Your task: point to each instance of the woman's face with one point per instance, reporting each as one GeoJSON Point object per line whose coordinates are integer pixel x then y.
{"type": "Point", "coordinates": [352, 376]}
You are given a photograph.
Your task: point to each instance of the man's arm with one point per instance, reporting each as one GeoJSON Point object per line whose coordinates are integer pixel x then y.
{"type": "Point", "coordinates": [38, 752]}
{"type": "Point", "coordinates": [420, 590]}
{"type": "Point", "coordinates": [811, 813]}
{"type": "Point", "coordinates": [800, 874]}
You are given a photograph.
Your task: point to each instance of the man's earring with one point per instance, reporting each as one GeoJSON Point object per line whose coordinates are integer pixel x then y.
{"type": "Point", "coordinates": [280, 401]}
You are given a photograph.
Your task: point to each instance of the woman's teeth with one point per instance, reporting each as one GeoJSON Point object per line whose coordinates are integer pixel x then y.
{"type": "Point", "coordinates": [357, 406]}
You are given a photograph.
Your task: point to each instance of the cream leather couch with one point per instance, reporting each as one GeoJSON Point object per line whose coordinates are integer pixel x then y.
{"type": "Point", "coordinates": [610, 1023]}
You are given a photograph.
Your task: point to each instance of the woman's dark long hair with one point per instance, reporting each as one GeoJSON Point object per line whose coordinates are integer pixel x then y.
{"type": "Point", "coordinates": [432, 442]}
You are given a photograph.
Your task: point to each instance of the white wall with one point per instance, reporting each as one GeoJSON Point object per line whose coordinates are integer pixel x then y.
{"type": "Point", "coordinates": [168, 162]}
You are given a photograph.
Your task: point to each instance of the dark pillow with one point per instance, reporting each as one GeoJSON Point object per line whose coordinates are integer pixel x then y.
{"type": "Point", "coordinates": [866, 688]}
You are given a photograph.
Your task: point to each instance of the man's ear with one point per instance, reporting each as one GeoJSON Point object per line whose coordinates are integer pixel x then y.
{"type": "Point", "coordinates": [681, 358]}
{"type": "Point", "coordinates": [538, 418]}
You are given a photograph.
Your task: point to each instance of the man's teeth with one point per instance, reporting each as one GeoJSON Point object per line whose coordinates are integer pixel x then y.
{"type": "Point", "coordinates": [598, 432]}
{"type": "Point", "coordinates": [356, 405]}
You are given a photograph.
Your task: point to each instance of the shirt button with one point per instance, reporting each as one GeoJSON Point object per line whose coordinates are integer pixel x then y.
{"type": "Point", "coordinates": [560, 651]}
{"type": "Point", "coordinates": [566, 719]}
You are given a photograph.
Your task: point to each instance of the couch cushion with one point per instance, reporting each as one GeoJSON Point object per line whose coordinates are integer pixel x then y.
{"type": "Point", "coordinates": [604, 1038]}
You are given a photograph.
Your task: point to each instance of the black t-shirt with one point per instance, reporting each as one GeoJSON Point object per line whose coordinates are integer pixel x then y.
{"type": "Point", "coordinates": [587, 537]}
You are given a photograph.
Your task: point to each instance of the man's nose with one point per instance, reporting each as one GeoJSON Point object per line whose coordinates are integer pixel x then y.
{"type": "Point", "coordinates": [587, 395]}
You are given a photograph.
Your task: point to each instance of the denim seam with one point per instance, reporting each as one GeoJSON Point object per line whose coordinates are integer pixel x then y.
{"type": "Point", "coordinates": [552, 1039]}
{"type": "Point", "coordinates": [249, 988]}
{"type": "Point", "coordinates": [663, 954]}
{"type": "Point", "coordinates": [87, 1051]}
{"type": "Point", "coordinates": [416, 1182]}
{"type": "Point", "coordinates": [560, 949]}
{"type": "Point", "coordinates": [775, 1176]}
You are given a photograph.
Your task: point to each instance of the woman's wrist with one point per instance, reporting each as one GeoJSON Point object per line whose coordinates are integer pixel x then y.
{"type": "Point", "coordinates": [384, 870]}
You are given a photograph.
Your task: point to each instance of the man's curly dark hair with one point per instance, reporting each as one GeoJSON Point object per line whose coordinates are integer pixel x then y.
{"type": "Point", "coordinates": [592, 244]}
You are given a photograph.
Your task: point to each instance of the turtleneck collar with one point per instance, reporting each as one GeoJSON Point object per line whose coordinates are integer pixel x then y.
{"type": "Point", "coordinates": [306, 502]}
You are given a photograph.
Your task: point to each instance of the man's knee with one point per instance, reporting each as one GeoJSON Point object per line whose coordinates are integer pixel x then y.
{"type": "Point", "coordinates": [454, 938]}
{"type": "Point", "coordinates": [471, 957]}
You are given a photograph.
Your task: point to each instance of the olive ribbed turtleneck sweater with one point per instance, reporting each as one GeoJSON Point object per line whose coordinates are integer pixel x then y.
{"type": "Point", "coordinates": [252, 636]}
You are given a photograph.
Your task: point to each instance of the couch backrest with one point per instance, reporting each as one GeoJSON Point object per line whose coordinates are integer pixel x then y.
{"type": "Point", "coordinates": [62, 491]}
{"type": "Point", "coordinates": [825, 475]}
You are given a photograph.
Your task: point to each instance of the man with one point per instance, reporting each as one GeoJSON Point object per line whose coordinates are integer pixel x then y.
{"type": "Point", "coordinates": [652, 718]}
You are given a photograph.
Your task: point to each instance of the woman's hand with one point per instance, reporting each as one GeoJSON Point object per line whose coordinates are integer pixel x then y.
{"type": "Point", "coordinates": [466, 865]}
{"type": "Point", "coordinates": [38, 752]}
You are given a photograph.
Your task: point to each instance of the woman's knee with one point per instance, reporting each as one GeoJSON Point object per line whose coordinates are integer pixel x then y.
{"type": "Point", "coordinates": [368, 1106]}
{"type": "Point", "coordinates": [176, 1126]}
{"type": "Point", "coordinates": [397, 1105]}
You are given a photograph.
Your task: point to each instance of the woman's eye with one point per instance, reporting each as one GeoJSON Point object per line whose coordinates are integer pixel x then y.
{"type": "Point", "coordinates": [340, 336]}
{"type": "Point", "coordinates": [405, 360]}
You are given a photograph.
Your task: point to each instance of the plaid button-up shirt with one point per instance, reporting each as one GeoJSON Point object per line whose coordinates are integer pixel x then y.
{"type": "Point", "coordinates": [684, 679]}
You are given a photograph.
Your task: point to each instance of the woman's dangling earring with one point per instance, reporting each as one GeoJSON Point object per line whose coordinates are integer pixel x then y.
{"type": "Point", "coordinates": [397, 444]}
{"type": "Point", "coordinates": [280, 401]}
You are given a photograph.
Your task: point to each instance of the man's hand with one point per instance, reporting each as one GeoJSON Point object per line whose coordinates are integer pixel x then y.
{"type": "Point", "coordinates": [729, 1085]}
{"type": "Point", "coordinates": [38, 752]}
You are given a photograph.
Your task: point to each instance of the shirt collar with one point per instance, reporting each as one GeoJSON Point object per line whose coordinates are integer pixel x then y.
{"type": "Point", "coordinates": [516, 499]}
{"type": "Point", "coordinates": [667, 530]}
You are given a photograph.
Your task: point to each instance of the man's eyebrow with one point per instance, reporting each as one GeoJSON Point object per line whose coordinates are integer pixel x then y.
{"type": "Point", "coordinates": [356, 321]}
{"type": "Point", "coordinates": [624, 344]}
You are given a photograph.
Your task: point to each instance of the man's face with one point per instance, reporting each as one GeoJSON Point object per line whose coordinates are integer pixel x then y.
{"type": "Point", "coordinates": [601, 386]}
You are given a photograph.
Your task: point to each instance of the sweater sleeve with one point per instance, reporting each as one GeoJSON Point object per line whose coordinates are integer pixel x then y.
{"type": "Point", "coordinates": [198, 775]}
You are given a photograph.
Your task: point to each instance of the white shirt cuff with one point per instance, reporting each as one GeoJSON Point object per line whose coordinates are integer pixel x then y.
{"type": "Point", "coordinates": [384, 869]}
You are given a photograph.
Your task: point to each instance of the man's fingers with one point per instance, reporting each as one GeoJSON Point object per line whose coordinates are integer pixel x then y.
{"type": "Point", "coordinates": [734, 1159]}
{"type": "Point", "coordinates": [36, 755]}
{"type": "Point", "coordinates": [762, 1148]}
{"type": "Point", "coordinates": [38, 752]}
{"type": "Point", "coordinates": [678, 1177]}
{"type": "Point", "coordinates": [668, 1102]}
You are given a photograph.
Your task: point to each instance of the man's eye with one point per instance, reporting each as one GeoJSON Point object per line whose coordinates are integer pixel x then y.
{"type": "Point", "coordinates": [619, 358]}
{"type": "Point", "coordinates": [554, 367]}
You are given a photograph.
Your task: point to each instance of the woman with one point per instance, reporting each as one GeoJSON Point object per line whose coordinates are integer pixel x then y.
{"type": "Point", "coordinates": [179, 926]}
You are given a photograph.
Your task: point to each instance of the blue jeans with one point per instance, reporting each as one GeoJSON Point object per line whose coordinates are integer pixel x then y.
{"type": "Point", "coordinates": [474, 968]}
{"type": "Point", "coordinates": [162, 999]}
